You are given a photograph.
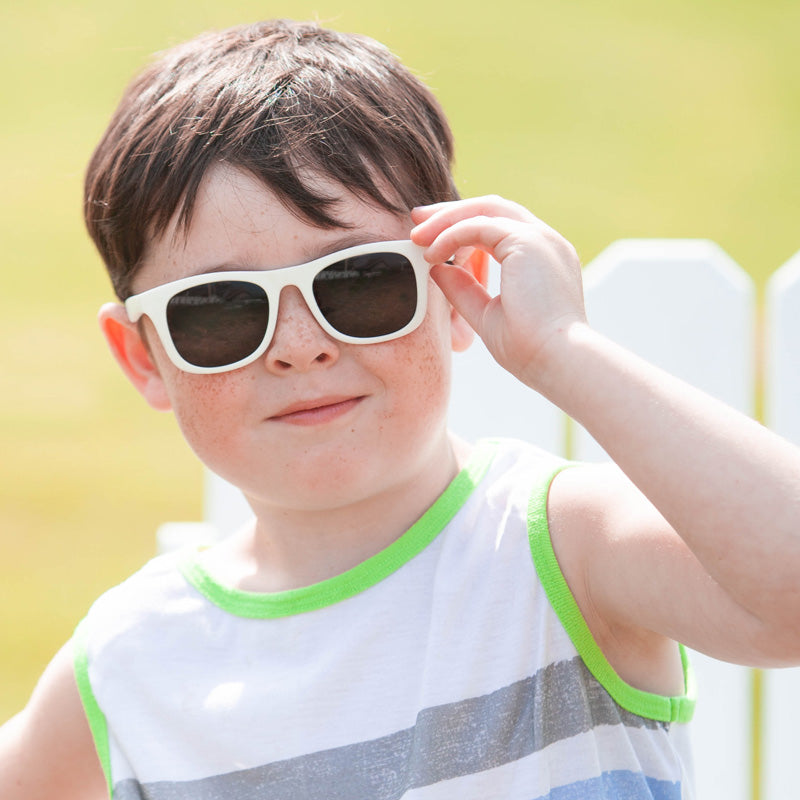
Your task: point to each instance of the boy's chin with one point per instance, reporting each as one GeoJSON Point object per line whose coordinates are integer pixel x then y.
{"type": "Point", "coordinates": [329, 479]}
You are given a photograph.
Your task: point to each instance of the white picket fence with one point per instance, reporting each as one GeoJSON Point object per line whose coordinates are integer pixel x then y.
{"type": "Point", "coordinates": [686, 306]}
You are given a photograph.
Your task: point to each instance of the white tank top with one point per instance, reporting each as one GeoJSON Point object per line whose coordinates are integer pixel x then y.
{"type": "Point", "coordinates": [453, 664]}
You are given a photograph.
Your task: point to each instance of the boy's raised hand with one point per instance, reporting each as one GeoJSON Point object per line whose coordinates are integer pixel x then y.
{"type": "Point", "coordinates": [698, 540]}
{"type": "Point", "coordinates": [541, 293]}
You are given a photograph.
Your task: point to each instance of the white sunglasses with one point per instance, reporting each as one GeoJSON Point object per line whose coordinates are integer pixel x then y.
{"type": "Point", "coordinates": [220, 321]}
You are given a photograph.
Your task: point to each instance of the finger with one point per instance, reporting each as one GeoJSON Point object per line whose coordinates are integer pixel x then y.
{"type": "Point", "coordinates": [486, 233]}
{"type": "Point", "coordinates": [485, 204]}
{"type": "Point", "coordinates": [421, 213]}
{"type": "Point", "coordinates": [431, 220]}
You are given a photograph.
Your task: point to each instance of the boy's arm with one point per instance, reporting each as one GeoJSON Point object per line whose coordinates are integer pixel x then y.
{"type": "Point", "coordinates": [47, 749]}
{"type": "Point", "coordinates": [727, 486]}
{"type": "Point", "coordinates": [718, 564]}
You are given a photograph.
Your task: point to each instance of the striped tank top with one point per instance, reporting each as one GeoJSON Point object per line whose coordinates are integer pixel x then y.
{"type": "Point", "coordinates": [453, 664]}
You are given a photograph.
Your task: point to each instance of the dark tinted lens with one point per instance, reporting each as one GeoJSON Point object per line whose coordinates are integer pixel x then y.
{"type": "Point", "coordinates": [218, 323]}
{"type": "Point", "coordinates": [370, 295]}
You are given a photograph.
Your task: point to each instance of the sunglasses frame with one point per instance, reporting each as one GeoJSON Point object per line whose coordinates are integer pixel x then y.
{"type": "Point", "coordinates": [153, 302]}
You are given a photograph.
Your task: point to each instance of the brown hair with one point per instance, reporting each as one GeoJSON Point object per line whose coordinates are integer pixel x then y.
{"type": "Point", "coordinates": [283, 100]}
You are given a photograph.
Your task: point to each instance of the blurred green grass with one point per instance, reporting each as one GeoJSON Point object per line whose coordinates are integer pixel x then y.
{"type": "Point", "coordinates": [620, 119]}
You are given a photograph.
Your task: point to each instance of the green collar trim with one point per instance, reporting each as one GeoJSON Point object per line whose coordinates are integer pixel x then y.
{"type": "Point", "coordinates": [257, 605]}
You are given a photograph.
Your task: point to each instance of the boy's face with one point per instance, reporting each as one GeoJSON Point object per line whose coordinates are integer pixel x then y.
{"type": "Point", "coordinates": [314, 422]}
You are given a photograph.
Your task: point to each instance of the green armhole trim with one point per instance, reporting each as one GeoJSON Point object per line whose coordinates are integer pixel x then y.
{"type": "Point", "coordinates": [258, 605]}
{"type": "Point", "coordinates": [643, 704]}
{"type": "Point", "coordinates": [96, 718]}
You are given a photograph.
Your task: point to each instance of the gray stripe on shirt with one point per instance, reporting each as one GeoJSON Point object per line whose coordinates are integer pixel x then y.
{"type": "Point", "coordinates": [448, 741]}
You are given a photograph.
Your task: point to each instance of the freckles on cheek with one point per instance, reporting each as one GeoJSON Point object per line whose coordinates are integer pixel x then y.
{"type": "Point", "coordinates": [424, 371]}
{"type": "Point", "coordinates": [204, 406]}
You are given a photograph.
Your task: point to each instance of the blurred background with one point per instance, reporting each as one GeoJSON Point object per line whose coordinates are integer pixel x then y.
{"type": "Point", "coordinates": [626, 118]}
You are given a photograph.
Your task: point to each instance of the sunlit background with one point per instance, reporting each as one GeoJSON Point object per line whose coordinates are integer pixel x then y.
{"type": "Point", "coordinates": [609, 120]}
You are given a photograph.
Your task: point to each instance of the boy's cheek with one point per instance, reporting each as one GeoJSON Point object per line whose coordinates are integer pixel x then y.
{"type": "Point", "coordinates": [211, 413]}
{"type": "Point", "coordinates": [423, 366]}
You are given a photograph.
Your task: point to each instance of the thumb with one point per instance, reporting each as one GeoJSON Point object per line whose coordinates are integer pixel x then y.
{"type": "Point", "coordinates": [466, 294]}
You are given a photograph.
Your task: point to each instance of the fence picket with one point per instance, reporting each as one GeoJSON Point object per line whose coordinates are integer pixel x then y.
{"type": "Point", "coordinates": [782, 411]}
{"type": "Point", "coordinates": [685, 306]}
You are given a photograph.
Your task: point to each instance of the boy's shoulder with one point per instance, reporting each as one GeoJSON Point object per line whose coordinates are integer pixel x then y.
{"type": "Point", "coordinates": [517, 459]}
{"type": "Point", "coordinates": [150, 593]}
{"type": "Point", "coordinates": [519, 470]}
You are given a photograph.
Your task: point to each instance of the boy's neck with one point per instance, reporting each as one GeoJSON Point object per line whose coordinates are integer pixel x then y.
{"type": "Point", "coordinates": [288, 549]}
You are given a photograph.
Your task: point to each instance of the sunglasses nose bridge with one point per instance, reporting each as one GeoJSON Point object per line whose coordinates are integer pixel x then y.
{"type": "Point", "coordinates": [298, 279]}
{"type": "Point", "coordinates": [291, 282]}
{"type": "Point", "coordinates": [296, 283]}
{"type": "Point", "coordinates": [294, 301]}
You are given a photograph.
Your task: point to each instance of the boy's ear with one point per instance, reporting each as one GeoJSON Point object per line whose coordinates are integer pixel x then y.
{"type": "Point", "coordinates": [461, 333]}
{"type": "Point", "coordinates": [478, 264]}
{"type": "Point", "coordinates": [133, 355]}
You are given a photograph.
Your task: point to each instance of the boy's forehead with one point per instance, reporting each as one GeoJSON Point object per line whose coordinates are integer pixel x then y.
{"type": "Point", "coordinates": [238, 222]}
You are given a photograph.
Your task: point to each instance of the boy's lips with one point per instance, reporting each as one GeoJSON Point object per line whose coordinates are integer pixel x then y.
{"type": "Point", "coordinates": [316, 411]}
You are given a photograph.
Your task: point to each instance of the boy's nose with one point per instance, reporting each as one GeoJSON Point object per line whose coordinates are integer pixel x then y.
{"type": "Point", "coordinates": [298, 342]}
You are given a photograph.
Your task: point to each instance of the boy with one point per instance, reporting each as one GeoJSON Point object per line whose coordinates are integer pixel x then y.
{"type": "Point", "coordinates": [407, 616]}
